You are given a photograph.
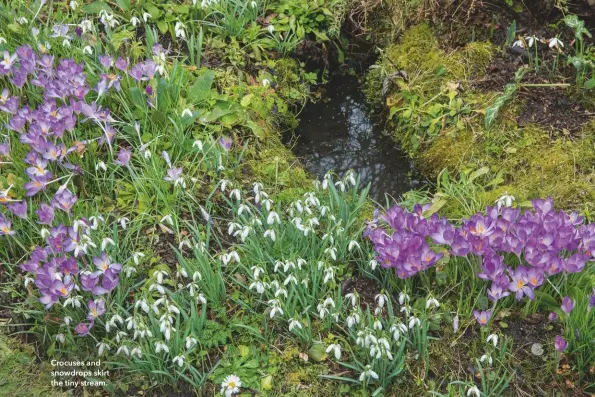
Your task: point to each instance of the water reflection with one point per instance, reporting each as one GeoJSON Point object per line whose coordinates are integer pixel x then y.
{"type": "Point", "coordinates": [337, 134]}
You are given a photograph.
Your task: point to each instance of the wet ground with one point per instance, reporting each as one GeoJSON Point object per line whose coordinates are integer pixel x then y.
{"type": "Point", "coordinates": [337, 133]}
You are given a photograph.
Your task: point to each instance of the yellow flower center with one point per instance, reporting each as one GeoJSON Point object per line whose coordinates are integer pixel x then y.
{"type": "Point", "coordinates": [520, 284]}
{"type": "Point", "coordinates": [5, 229]}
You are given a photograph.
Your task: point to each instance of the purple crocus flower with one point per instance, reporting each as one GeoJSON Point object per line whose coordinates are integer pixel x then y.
{"type": "Point", "coordinates": [173, 174]}
{"type": "Point", "coordinates": [5, 229]}
{"type": "Point", "coordinates": [19, 208]}
{"type": "Point", "coordinates": [106, 61]}
{"type": "Point", "coordinates": [96, 308]}
{"type": "Point", "coordinates": [103, 263]}
{"type": "Point", "coordinates": [552, 317]}
{"type": "Point", "coordinates": [83, 329]}
{"type": "Point", "coordinates": [225, 142]}
{"type": "Point", "coordinates": [567, 305]}
{"type": "Point", "coordinates": [64, 200]}
{"type": "Point", "coordinates": [89, 280]}
{"type": "Point", "coordinates": [122, 64]}
{"type": "Point", "coordinates": [560, 343]}
{"type": "Point", "coordinates": [36, 184]}
{"type": "Point", "coordinates": [482, 317]}
{"type": "Point", "coordinates": [591, 301]}
{"type": "Point", "coordinates": [149, 90]}
{"type": "Point", "coordinates": [123, 157]}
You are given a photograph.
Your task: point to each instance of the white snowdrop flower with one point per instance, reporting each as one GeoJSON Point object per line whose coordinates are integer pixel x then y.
{"type": "Point", "coordinates": [88, 50]}
{"type": "Point", "coordinates": [161, 347]}
{"type": "Point", "coordinates": [270, 233]}
{"type": "Point", "coordinates": [473, 391]}
{"type": "Point", "coordinates": [190, 342]}
{"type": "Point", "coordinates": [253, 4]}
{"type": "Point", "coordinates": [505, 201]}
{"type": "Point", "coordinates": [180, 30]}
{"type": "Point", "coordinates": [22, 21]}
{"type": "Point", "coordinates": [486, 357]}
{"type": "Point", "coordinates": [223, 183]}
{"type": "Point", "coordinates": [2, 40]}
{"type": "Point", "coordinates": [403, 298]}
{"type": "Point", "coordinates": [134, 21]}
{"type": "Point", "coordinates": [86, 25]}
{"type": "Point", "coordinates": [352, 296]}
{"type": "Point", "coordinates": [381, 298]}
{"type": "Point", "coordinates": [74, 5]}
{"type": "Point", "coordinates": [179, 359]}
{"type": "Point", "coordinates": [276, 309]}
{"type": "Point", "coordinates": [60, 338]}
{"type": "Point", "coordinates": [377, 324]}
{"type": "Point", "coordinates": [556, 43]}
{"type": "Point", "coordinates": [340, 185]}
{"type": "Point", "coordinates": [123, 349]}
{"type": "Point", "coordinates": [367, 374]}
{"type": "Point", "coordinates": [290, 279]}
{"type": "Point", "coordinates": [322, 311]}
{"type": "Point", "coordinates": [336, 349]}
{"type": "Point", "coordinates": [329, 274]}
{"type": "Point", "coordinates": [332, 251]}
{"type": "Point", "coordinates": [100, 165]}
{"type": "Point", "coordinates": [136, 352]}
{"type": "Point", "coordinates": [243, 208]}
{"type": "Point", "coordinates": [373, 264]}
{"type": "Point", "coordinates": [136, 257]}
{"type": "Point", "coordinates": [455, 323]}
{"type": "Point", "coordinates": [266, 82]}
{"type": "Point", "coordinates": [530, 40]}
{"type": "Point", "coordinates": [494, 339]}
{"type": "Point", "coordinates": [353, 244]}
{"type": "Point", "coordinates": [353, 319]}
{"type": "Point", "coordinates": [101, 348]}
{"type": "Point", "coordinates": [66, 43]}
{"type": "Point", "coordinates": [235, 193]}
{"type": "Point", "coordinates": [519, 43]}
{"type": "Point", "coordinates": [268, 204]}
{"type": "Point", "coordinates": [432, 302]}
{"type": "Point", "coordinates": [295, 323]}
{"type": "Point", "coordinates": [198, 143]}
{"type": "Point", "coordinates": [271, 29]}
{"type": "Point", "coordinates": [44, 233]}
{"type": "Point", "coordinates": [67, 320]}
{"type": "Point", "coordinates": [168, 219]}
{"type": "Point", "coordinates": [272, 218]}
{"type": "Point", "coordinates": [258, 286]}
{"type": "Point", "coordinates": [123, 221]}
{"type": "Point", "coordinates": [146, 16]}
{"type": "Point", "coordinates": [28, 280]}
{"type": "Point", "coordinates": [301, 262]}
{"type": "Point", "coordinates": [397, 329]}
{"type": "Point", "coordinates": [329, 302]}
{"type": "Point", "coordinates": [406, 310]}
{"type": "Point", "coordinates": [350, 177]}
{"type": "Point", "coordinates": [280, 291]}
{"type": "Point", "coordinates": [414, 321]}
{"type": "Point", "coordinates": [105, 242]}
{"type": "Point", "coordinates": [159, 274]}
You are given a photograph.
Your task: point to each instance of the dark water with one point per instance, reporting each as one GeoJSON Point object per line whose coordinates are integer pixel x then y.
{"type": "Point", "coordinates": [337, 133]}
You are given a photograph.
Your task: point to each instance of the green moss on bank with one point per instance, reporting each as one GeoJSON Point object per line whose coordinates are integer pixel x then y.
{"type": "Point", "coordinates": [437, 117]}
{"type": "Point", "coordinates": [20, 374]}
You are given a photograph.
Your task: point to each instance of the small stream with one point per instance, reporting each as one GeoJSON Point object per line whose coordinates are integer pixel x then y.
{"type": "Point", "coordinates": [337, 133]}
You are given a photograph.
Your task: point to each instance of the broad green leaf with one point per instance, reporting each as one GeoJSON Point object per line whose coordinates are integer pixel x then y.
{"type": "Point", "coordinates": [96, 6]}
{"type": "Point", "coordinates": [201, 89]}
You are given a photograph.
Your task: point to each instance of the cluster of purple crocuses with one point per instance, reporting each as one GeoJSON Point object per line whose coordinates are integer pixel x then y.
{"type": "Point", "coordinates": [519, 250]}
{"type": "Point", "coordinates": [48, 130]}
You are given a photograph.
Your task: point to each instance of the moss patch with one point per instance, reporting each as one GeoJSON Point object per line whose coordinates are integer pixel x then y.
{"type": "Point", "coordinates": [20, 374]}
{"type": "Point", "coordinates": [437, 116]}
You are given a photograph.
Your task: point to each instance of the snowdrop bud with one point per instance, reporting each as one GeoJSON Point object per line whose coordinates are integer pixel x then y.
{"type": "Point", "coordinates": [271, 29]}
{"type": "Point", "coordinates": [61, 338]}
{"type": "Point", "coordinates": [266, 82]}
{"type": "Point", "coordinates": [494, 339]}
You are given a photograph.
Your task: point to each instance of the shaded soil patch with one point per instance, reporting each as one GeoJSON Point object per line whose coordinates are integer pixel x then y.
{"type": "Point", "coordinates": [549, 107]}
{"type": "Point", "coordinates": [366, 288]}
